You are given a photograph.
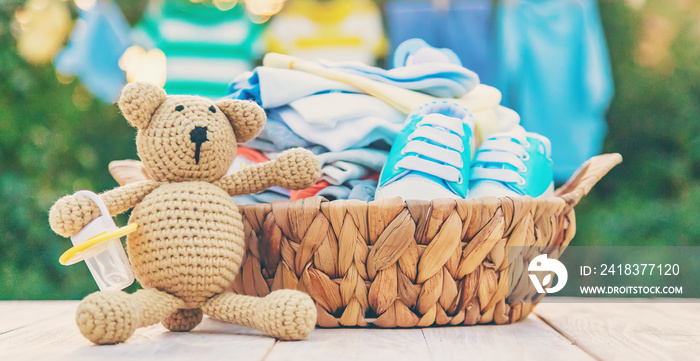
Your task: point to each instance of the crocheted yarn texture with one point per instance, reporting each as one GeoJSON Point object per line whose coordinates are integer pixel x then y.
{"type": "Point", "coordinates": [189, 244]}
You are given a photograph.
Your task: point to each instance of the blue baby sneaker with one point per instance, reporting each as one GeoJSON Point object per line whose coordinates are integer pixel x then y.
{"type": "Point", "coordinates": [515, 163]}
{"type": "Point", "coordinates": [430, 158]}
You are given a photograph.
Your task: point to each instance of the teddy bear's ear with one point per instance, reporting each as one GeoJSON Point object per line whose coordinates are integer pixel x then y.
{"type": "Point", "coordinates": [246, 117]}
{"type": "Point", "coordinates": [139, 101]}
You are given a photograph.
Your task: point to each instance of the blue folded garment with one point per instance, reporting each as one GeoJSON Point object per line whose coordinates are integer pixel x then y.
{"type": "Point", "coordinates": [333, 193]}
{"type": "Point", "coordinates": [363, 190]}
{"type": "Point", "coordinates": [262, 197]}
{"type": "Point", "coordinates": [438, 79]}
{"type": "Point", "coordinates": [276, 137]}
{"type": "Point", "coordinates": [373, 159]}
{"type": "Point", "coordinates": [355, 189]}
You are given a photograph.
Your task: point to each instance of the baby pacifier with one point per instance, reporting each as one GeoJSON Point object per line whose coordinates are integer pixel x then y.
{"type": "Point", "coordinates": [99, 245]}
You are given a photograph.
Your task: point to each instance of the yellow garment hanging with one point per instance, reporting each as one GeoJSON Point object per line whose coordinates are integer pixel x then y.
{"type": "Point", "coordinates": [341, 30]}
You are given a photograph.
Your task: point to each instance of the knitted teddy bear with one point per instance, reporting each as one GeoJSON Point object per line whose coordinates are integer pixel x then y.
{"type": "Point", "coordinates": [189, 243]}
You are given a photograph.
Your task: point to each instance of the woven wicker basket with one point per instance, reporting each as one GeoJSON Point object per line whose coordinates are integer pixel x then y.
{"type": "Point", "coordinates": [391, 263]}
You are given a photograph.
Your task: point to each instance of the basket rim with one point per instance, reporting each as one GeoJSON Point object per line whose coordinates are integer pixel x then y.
{"type": "Point", "coordinates": [570, 193]}
{"type": "Point", "coordinates": [552, 199]}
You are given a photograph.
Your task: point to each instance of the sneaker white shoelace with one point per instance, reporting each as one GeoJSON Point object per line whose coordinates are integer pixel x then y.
{"type": "Point", "coordinates": [438, 151]}
{"type": "Point", "coordinates": [496, 152]}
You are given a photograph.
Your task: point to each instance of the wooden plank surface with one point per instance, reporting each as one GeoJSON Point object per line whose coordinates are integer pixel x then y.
{"type": "Point", "coordinates": [355, 344]}
{"type": "Point", "coordinates": [60, 339]}
{"type": "Point", "coordinates": [17, 314]}
{"type": "Point", "coordinates": [531, 339]}
{"type": "Point", "coordinates": [643, 330]}
{"type": "Point", "coordinates": [650, 330]}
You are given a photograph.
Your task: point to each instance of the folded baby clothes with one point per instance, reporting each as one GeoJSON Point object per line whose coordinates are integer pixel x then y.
{"type": "Point", "coordinates": [257, 198]}
{"type": "Point", "coordinates": [205, 47]}
{"type": "Point", "coordinates": [356, 189]}
{"type": "Point", "coordinates": [100, 37]}
{"type": "Point", "coordinates": [363, 190]}
{"type": "Point", "coordinates": [373, 159]}
{"type": "Point", "coordinates": [308, 192]}
{"type": "Point", "coordinates": [340, 172]}
{"type": "Point", "coordinates": [276, 137]}
{"type": "Point", "coordinates": [319, 110]}
{"type": "Point", "coordinates": [435, 78]}
{"type": "Point", "coordinates": [331, 108]}
{"type": "Point", "coordinates": [274, 87]}
{"type": "Point", "coordinates": [333, 193]}
{"type": "Point", "coordinates": [556, 75]}
{"type": "Point", "coordinates": [355, 133]}
{"type": "Point", "coordinates": [340, 167]}
{"type": "Point", "coordinates": [481, 100]}
{"type": "Point", "coordinates": [330, 29]}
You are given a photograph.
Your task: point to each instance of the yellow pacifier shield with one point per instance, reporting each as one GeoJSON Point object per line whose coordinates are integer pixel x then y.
{"type": "Point", "coordinates": [76, 253]}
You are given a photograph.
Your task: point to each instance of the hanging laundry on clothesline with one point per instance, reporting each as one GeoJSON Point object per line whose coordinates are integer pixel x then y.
{"type": "Point", "coordinates": [100, 37]}
{"type": "Point", "coordinates": [465, 27]}
{"type": "Point", "coordinates": [205, 47]}
{"type": "Point", "coordinates": [340, 30]}
{"type": "Point", "coordinates": [556, 74]}
{"type": "Point", "coordinates": [43, 27]}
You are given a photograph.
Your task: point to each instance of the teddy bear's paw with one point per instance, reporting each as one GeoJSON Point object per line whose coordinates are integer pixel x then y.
{"type": "Point", "coordinates": [70, 214]}
{"type": "Point", "coordinates": [297, 169]}
{"type": "Point", "coordinates": [107, 317]}
{"type": "Point", "coordinates": [183, 320]}
{"type": "Point", "coordinates": [287, 315]}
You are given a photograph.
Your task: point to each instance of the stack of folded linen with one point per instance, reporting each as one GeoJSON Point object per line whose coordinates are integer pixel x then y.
{"type": "Point", "coordinates": [351, 124]}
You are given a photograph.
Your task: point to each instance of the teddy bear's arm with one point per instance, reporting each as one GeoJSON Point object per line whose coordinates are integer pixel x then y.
{"type": "Point", "coordinates": [71, 213]}
{"type": "Point", "coordinates": [293, 169]}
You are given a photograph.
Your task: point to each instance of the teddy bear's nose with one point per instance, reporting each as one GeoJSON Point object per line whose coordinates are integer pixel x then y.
{"type": "Point", "coordinates": [198, 135]}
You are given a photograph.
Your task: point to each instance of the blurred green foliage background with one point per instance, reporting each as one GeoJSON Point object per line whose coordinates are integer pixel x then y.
{"type": "Point", "coordinates": [55, 138]}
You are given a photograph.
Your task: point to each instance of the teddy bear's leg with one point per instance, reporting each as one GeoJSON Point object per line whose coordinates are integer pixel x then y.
{"type": "Point", "coordinates": [283, 314]}
{"type": "Point", "coordinates": [183, 319]}
{"type": "Point", "coordinates": [107, 317]}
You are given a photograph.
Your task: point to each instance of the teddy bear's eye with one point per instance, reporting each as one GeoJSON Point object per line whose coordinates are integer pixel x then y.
{"type": "Point", "coordinates": [179, 108]}
{"type": "Point", "coordinates": [212, 109]}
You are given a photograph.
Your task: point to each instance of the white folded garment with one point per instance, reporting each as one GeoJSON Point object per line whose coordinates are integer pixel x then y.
{"type": "Point", "coordinates": [278, 87]}
{"type": "Point", "coordinates": [340, 172]}
{"type": "Point", "coordinates": [331, 108]}
{"type": "Point", "coordinates": [354, 133]}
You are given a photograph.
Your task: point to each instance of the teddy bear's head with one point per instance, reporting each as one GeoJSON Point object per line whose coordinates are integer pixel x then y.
{"type": "Point", "coordinates": [187, 138]}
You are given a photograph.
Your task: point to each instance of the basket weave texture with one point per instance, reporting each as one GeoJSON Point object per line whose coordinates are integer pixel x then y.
{"type": "Point", "coordinates": [390, 263]}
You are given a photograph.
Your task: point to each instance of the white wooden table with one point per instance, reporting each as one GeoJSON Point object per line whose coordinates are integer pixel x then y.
{"type": "Point", "coordinates": [645, 330]}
